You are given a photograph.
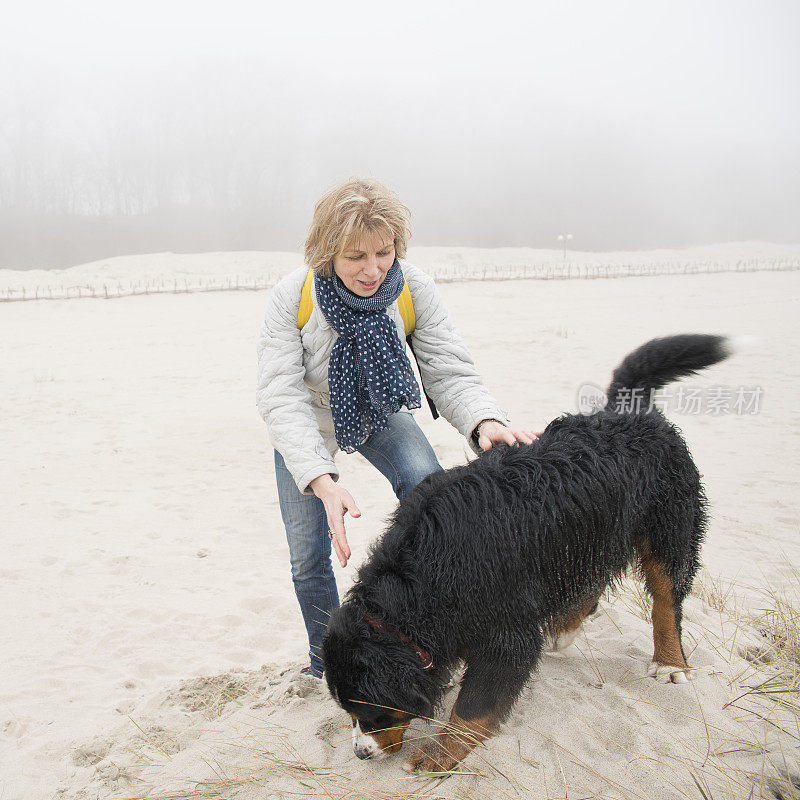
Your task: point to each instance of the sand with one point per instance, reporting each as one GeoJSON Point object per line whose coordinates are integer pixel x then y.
{"type": "Point", "coordinates": [151, 638]}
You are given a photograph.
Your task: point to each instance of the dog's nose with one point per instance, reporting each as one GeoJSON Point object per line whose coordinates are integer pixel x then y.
{"type": "Point", "coordinates": [363, 752]}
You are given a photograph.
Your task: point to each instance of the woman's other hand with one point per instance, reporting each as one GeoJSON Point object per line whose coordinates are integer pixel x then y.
{"type": "Point", "coordinates": [337, 501]}
{"type": "Point", "coordinates": [492, 432]}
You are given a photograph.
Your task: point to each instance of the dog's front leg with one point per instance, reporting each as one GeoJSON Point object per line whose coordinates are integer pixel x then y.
{"type": "Point", "coordinates": [488, 690]}
{"type": "Point", "coordinates": [453, 742]}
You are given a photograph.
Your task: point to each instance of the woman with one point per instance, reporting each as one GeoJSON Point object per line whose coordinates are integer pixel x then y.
{"type": "Point", "coordinates": [342, 380]}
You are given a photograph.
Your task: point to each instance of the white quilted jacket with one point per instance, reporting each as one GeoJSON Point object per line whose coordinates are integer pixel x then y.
{"type": "Point", "coordinates": [293, 396]}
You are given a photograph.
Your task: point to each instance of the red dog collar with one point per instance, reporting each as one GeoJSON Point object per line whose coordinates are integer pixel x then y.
{"type": "Point", "coordinates": [379, 625]}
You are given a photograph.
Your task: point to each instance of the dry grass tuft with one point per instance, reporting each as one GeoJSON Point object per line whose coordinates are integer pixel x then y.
{"type": "Point", "coordinates": [210, 695]}
{"type": "Point", "coordinates": [780, 624]}
{"type": "Point", "coordinates": [715, 593]}
{"type": "Point", "coordinates": [631, 592]}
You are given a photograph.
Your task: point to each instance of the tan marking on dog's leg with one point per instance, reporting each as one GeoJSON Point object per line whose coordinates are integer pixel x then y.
{"type": "Point", "coordinates": [453, 742]}
{"type": "Point", "coordinates": [668, 660]}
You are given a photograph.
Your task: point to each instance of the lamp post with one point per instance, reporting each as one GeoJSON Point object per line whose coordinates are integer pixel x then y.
{"type": "Point", "coordinates": [565, 237]}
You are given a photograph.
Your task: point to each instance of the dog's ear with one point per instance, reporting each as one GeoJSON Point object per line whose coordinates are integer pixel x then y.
{"type": "Point", "coordinates": [419, 703]}
{"type": "Point", "coordinates": [374, 667]}
{"type": "Point", "coordinates": [341, 649]}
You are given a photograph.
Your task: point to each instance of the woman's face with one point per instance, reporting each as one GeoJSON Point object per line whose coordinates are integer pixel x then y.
{"type": "Point", "coordinates": [363, 266]}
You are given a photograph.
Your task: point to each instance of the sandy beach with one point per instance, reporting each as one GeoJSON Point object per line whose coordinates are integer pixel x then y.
{"type": "Point", "coordinates": [152, 642]}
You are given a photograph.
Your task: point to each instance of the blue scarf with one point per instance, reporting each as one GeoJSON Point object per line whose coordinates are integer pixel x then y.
{"type": "Point", "coordinates": [369, 374]}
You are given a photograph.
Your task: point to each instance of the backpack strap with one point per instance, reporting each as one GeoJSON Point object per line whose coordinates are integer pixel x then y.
{"type": "Point", "coordinates": [405, 305]}
{"type": "Point", "coordinates": [306, 301]}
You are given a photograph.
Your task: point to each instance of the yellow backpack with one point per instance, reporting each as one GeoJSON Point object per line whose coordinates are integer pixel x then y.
{"type": "Point", "coordinates": [405, 306]}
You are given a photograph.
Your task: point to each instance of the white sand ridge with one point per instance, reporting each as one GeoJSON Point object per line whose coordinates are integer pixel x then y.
{"type": "Point", "coordinates": [165, 273]}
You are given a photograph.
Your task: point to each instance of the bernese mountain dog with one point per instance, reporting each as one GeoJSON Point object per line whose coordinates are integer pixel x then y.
{"type": "Point", "coordinates": [486, 562]}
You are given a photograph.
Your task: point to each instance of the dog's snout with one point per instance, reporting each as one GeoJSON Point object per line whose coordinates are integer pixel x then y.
{"type": "Point", "coordinates": [363, 752]}
{"type": "Point", "coordinates": [364, 746]}
{"type": "Point", "coordinates": [367, 747]}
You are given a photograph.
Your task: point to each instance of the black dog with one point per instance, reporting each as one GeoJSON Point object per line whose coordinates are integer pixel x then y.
{"type": "Point", "coordinates": [483, 562]}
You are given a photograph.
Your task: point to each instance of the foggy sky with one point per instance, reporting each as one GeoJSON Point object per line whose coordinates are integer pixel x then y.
{"type": "Point", "coordinates": [197, 126]}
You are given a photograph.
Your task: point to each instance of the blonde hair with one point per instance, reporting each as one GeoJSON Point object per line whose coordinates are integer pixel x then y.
{"type": "Point", "coordinates": [354, 210]}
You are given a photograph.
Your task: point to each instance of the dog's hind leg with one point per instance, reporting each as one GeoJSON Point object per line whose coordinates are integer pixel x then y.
{"type": "Point", "coordinates": [489, 688]}
{"type": "Point", "coordinates": [668, 656]}
{"type": "Point", "coordinates": [563, 632]}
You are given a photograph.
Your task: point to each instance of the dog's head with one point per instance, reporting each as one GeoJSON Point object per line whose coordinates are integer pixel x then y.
{"type": "Point", "coordinates": [377, 679]}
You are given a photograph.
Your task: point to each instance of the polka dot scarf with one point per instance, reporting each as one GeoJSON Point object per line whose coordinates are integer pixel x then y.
{"type": "Point", "coordinates": [369, 374]}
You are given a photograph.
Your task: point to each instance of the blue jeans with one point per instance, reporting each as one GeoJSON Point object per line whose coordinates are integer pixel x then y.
{"type": "Point", "coordinates": [404, 456]}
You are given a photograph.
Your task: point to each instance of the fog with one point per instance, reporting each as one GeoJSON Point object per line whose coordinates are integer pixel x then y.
{"type": "Point", "coordinates": [197, 126]}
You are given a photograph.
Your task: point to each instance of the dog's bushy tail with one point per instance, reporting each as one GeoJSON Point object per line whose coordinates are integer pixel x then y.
{"type": "Point", "coordinates": [659, 362]}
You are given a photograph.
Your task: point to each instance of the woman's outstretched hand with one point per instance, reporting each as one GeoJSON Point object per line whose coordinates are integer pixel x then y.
{"type": "Point", "coordinates": [337, 501]}
{"type": "Point", "coordinates": [493, 432]}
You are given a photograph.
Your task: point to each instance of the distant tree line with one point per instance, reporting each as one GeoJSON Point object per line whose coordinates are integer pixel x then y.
{"type": "Point", "coordinates": [115, 189]}
{"type": "Point", "coordinates": [202, 168]}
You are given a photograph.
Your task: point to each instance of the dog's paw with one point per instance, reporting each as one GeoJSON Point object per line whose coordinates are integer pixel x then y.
{"type": "Point", "coordinates": [665, 673]}
{"type": "Point", "coordinates": [430, 758]}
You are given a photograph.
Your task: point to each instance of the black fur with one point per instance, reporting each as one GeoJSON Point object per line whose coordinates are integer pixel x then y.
{"type": "Point", "coordinates": [481, 560]}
